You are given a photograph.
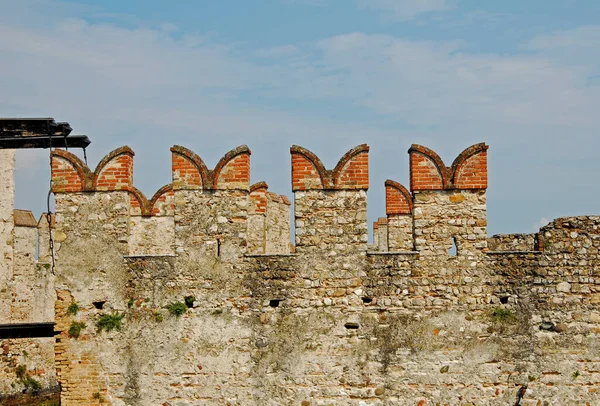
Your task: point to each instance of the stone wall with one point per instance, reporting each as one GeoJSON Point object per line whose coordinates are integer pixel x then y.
{"type": "Point", "coordinates": [333, 323]}
{"type": "Point", "coordinates": [7, 205]}
{"type": "Point", "coordinates": [513, 242]}
{"type": "Point", "coordinates": [25, 362]}
{"type": "Point", "coordinates": [208, 306]}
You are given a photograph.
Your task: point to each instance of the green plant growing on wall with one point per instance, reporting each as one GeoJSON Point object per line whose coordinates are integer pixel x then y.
{"type": "Point", "coordinates": [75, 329]}
{"type": "Point", "coordinates": [576, 374]}
{"type": "Point", "coordinates": [108, 322]}
{"type": "Point", "coordinates": [501, 315]}
{"type": "Point", "coordinates": [20, 371]}
{"type": "Point", "coordinates": [97, 396]}
{"type": "Point", "coordinates": [177, 308]}
{"type": "Point", "coordinates": [26, 379]}
{"type": "Point", "coordinates": [73, 309]}
{"type": "Point", "coordinates": [158, 317]}
{"type": "Point", "coordinates": [130, 303]}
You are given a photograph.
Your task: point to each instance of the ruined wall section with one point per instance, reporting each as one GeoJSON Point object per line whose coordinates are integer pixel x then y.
{"type": "Point", "coordinates": [513, 242]}
{"type": "Point", "coordinates": [257, 216]}
{"type": "Point", "coordinates": [268, 221]}
{"type": "Point", "coordinates": [26, 292]}
{"type": "Point", "coordinates": [278, 224]}
{"type": "Point", "coordinates": [382, 234]}
{"type": "Point", "coordinates": [399, 208]}
{"type": "Point", "coordinates": [32, 301]}
{"type": "Point", "coordinates": [33, 282]}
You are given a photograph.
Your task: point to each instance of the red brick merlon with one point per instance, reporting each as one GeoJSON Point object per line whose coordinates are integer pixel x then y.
{"type": "Point", "coordinates": [115, 171]}
{"type": "Point", "coordinates": [468, 171]}
{"type": "Point", "coordinates": [258, 198]}
{"type": "Point", "coordinates": [233, 170]}
{"type": "Point", "coordinates": [309, 173]}
{"type": "Point", "coordinates": [190, 171]}
{"type": "Point", "coordinates": [398, 199]}
{"type": "Point", "coordinates": [69, 173]}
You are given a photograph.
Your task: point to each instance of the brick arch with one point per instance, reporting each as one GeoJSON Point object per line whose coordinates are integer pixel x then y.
{"type": "Point", "coordinates": [160, 195]}
{"type": "Point", "coordinates": [258, 185]}
{"type": "Point", "coordinates": [308, 172]}
{"type": "Point", "coordinates": [398, 199]}
{"type": "Point", "coordinates": [189, 161]}
{"type": "Point", "coordinates": [137, 200]}
{"type": "Point", "coordinates": [115, 170]}
{"type": "Point", "coordinates": [77, 179]}
{"type": "Point", "coordinates": [352, 170]}
{"type": "Point", "coordinates": [427, 170]}
{"type": "Point", "coordinates": [469, 169]}
{"type": "Point", "coordinates": [233, 170]}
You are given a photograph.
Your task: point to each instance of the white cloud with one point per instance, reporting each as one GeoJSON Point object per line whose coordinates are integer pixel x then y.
{"type": "Point", "coordinates": [405, 9]}
{"type": "Point", "coordinates": [435, 83]}
{"type": "Point", "coordinates": [279, 51]}
{"type": "Point", "coordinates": [577, 48]}
{"type": "Point", "coordinates": [539, 224]}
{"type": "Point", "coordinates": [580, 38]}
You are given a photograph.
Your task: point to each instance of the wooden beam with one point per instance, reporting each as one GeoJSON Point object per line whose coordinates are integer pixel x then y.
{"type": "Point", "coordinates": [26, 330]}
{"type": "Point", "coordinates": [44, 141]}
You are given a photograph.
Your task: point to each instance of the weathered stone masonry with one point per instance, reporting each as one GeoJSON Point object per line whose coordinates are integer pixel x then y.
{"type": "Point", "coordinates": [331, 320]}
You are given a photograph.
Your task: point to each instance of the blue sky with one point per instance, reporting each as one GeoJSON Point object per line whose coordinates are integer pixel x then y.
{"type": "Point", "coordinates": [522, 76]}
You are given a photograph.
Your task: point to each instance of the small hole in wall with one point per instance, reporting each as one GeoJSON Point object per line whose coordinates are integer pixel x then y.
{"type": "Point", "coordinates": [99, 304]}
{"type": "Point", "coordinates": [218, 248]}
{"type": "Point", "coordinates": [453, 251]}
{"type": "Point", "coordinates": [367, 300]}
{"type": "Point", "coordinates": [351, 326]}
{"type": "Point", "coordinates": [189, 301]}
{"type": "Point", "coordinates": [504, 299]}
{"type": "Point", "coordinates": [274, 302]}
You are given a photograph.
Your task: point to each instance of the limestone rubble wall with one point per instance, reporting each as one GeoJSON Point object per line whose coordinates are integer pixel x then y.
{"type": "Point", "coordinates": [333, 323]}
{"type": "Point", "coordinates": [512, 242]}
{"type": "Point", "coordinates": [7, 206]}
{"type": "Point", "coordinates": [210, 307]}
